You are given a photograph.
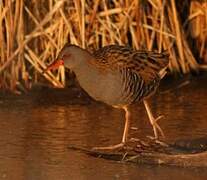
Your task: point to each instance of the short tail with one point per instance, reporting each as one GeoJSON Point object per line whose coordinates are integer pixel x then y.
{"type": "Point", "coordinates": [162, 72]}
{"type": "Point", "coordinates": [164, 63]}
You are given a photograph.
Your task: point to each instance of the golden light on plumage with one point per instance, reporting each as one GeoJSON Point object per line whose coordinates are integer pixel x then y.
{"type": "Point", "coordinates": [118, 76]}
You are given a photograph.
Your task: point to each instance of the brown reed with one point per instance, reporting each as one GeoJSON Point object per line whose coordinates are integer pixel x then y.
{"type": "Point", "coordinates": [32, 32]}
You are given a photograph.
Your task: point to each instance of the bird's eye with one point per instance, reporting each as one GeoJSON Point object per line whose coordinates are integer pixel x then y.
{"type": "Point", "coordinates": [65, 56]}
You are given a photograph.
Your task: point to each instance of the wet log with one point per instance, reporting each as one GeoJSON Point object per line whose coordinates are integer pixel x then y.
{"type": "Point", "coordinates": [181, 153]}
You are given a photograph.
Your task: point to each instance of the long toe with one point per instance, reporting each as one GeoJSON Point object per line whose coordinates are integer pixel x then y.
{"type": "Point", "coordinates": [112, 147]}
{"type": "Point", "coordinates": [156, 128]}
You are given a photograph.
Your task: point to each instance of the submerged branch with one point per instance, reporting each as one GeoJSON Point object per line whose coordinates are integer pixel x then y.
{"type": "Point", "coordinates": [172, 154]}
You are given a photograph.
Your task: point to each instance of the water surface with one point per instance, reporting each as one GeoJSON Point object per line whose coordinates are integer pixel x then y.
{"type": "Point", "coordinates": [37, 128]}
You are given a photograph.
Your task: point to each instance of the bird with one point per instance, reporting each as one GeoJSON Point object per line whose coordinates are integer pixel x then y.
{"type": "Point", "coordinates": [117, 75]}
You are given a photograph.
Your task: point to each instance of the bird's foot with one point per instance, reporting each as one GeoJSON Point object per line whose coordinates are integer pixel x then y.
{"type": "Point", "coordinates": [156, 128]}
{"type": "Point", "coordinates": [112, 147]}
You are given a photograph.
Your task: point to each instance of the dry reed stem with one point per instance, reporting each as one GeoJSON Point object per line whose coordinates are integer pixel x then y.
{"type": "Point", "coordinates": [34, 60]}
{"type": "Point", "coordinates": [90, 24]}
{"type": "Point", "coordinates": [198, 26]}
{"type": "Point", "coordinates": [178, 36]}
{"type": "Point", "coordinates": [30, 36]}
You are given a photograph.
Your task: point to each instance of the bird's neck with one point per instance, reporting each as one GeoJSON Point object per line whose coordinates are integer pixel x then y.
{"type": "Point", "coordinates": [84, 69]}
{"type": "Point", "coordinates": [79, 64]}
{"type": "Point", "coordinates": [81, 61]}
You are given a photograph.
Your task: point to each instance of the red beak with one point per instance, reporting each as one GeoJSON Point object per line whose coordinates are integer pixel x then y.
{"type": "Point", "coordinates": [54, 65]}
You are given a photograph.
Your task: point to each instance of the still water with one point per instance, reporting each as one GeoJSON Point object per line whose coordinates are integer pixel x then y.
{"type": "Point", "coordinates": [37, 128]}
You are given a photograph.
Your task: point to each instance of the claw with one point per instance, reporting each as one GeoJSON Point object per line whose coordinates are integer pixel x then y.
{"type": "Point", "coordinates": [159, 117]}
{"type": "Point", "coordinates": [157, 127]}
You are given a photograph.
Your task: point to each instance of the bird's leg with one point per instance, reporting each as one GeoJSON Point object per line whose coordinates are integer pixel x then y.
{"type": "Point", "coordinates": [125, 134]}
{"type": "Point", "coordinates": [127, 124]}
{"type": "Point", "coordinates": [153, 121]}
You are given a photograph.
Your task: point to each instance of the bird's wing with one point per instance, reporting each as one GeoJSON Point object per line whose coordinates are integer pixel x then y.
{"type": "Point", "coordinates": [146, 64]}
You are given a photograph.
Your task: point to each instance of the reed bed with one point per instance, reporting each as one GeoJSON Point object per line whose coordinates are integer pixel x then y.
{"type": "Point", "coordinates": [32, 32]}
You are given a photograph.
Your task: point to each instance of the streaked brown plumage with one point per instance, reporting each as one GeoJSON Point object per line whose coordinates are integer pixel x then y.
{"type": "Point", "coordinates": [116, 75]}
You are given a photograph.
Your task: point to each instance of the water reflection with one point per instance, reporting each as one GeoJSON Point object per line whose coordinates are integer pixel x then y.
{"type": "Point", "coordinates": [34, 136]}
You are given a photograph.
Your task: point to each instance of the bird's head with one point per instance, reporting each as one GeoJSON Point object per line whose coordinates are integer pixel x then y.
{"type": "Point", "coordinates": [69, 56]}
